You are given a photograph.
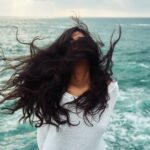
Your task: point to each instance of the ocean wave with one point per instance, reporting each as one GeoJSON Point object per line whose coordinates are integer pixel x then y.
{"type": "Point", "coordinates": [141, 25]}
{"type": "Point", "coordinates": [143, 65]}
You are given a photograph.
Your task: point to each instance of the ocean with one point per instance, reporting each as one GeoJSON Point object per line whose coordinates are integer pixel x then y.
{"type": "Point", "coordinates": [129, 127]}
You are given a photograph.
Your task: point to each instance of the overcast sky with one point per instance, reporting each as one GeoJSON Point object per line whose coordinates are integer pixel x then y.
{"type": "Point", "coordinates": [85, 8]}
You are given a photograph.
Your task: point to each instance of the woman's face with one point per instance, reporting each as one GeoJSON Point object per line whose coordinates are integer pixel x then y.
{"type": "Point", "coordinates": [76, 35]}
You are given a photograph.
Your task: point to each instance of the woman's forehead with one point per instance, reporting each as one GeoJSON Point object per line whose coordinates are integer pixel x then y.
{"type": "Point", "coordinates": [76, 35]}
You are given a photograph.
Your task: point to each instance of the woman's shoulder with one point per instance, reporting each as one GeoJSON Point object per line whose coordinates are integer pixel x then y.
{"type": "Point", "coordinates": [113, 87]}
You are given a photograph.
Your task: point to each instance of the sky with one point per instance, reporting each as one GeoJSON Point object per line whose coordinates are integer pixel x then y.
{"type": "Point", "coordinates": [83, 8]}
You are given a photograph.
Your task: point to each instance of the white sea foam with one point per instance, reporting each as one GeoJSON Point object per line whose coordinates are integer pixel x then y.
{"type": "Point", "coordinates": [143, 65]}
{"type": "Point", "coordinates": [141, 25]}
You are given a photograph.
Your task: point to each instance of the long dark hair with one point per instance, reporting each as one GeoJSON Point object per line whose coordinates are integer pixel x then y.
{"type": "Point", "coordinates": [41, 78]}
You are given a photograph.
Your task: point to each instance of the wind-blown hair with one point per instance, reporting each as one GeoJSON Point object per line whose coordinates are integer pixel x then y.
{"type": "Point", "coordinates": [41, 78]}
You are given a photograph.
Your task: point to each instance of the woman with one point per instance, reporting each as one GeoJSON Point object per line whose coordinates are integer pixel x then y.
{"type": "Point", "coordinates": [68, 86]}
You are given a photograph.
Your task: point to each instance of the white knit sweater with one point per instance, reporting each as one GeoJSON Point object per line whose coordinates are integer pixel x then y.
{"type": "Point", "coordinates": [81, 137]}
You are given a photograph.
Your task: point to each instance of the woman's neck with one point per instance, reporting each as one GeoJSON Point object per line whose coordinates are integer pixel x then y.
{"type": "Point", "coordinates": [81, 75]}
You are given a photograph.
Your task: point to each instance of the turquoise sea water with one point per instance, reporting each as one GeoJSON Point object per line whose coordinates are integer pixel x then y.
{"type": "Point", "coordinates": [129, 127]}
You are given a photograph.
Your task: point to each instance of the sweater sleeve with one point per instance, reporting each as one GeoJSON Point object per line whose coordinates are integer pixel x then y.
{"type": "Point", "coordinates": [41, 135]}
{"type": "Point", "coordinates": [113, 94]}
{"type": "Point", "coordinates": [113, 91]}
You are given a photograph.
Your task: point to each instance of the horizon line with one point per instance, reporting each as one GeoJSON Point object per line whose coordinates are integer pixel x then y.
{"type": "Point", "coordinates": [48, 17]}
